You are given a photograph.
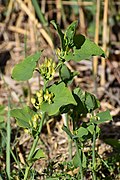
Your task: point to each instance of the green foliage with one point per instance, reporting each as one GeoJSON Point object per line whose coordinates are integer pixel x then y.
{"type": "Point", "coordinates": [76, 160]}
{"type": "Point", "coordinates": [66, 75]}
{"type": "Point", "coordinates": [24, 70]}
{"type": "Point", "coordinates": [23, 116]}
{"type": "Point", "coordinates": [2, 111]}
{"type": "Point", "coordinates": [62, 97]}
{"type": "Point", "coordinates": [83, 49]}
{"type": "Point", "coordinates": [38, 154]}
{"type": "Point", "coordinates": [103, 117]}
{"type": "Point", "coordinates": [82, 132]}
{"type": "Point", "coordinates": [86, 102]}
{"type": "Point", "coordinates": [56, 98]}
{"type": "Point", "coordinates": [76, 47]}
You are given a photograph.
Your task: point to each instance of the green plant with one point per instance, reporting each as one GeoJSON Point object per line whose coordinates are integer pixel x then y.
{"type": "Point", "coordinates": [55, 99]}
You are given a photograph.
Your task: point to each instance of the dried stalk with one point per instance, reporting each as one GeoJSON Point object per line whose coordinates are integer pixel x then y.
{"type": "Point", "coordinates": [72, 3]}
{"type": "Point", "coordinates": [95, 58]}
{"type": "Point", "coordinates": [58, 7]}
{"type": "Point", "coordinates": [105, 40]}
{"type": "Point", "coordinates": [82, 18]}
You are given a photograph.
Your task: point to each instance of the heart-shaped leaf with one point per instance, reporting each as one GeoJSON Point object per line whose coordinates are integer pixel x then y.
{"type": "Point", "coordinates": [82, 132]}
{"type": "Point", "coordinates": [24, 70]}
{"type": "Point", "coordinates": [62, 97]}
{"type": "Point", "coordinates": [23, 116]}
{"type": "Point", "coordinates": [83, 49]}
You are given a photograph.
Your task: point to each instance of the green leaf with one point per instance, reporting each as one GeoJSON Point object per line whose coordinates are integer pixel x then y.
{"type": "Point", "coordinates": [82, 132]}
{"type": "Point", "coordinates": [65, 73]}
{"type": "Point", "coordinates": [103, 117]}
{"type": "Point", "coordinates": [1, 119]}
{"type": "Point", "coordinates": [23, 116]}
{"type": "Point", "coordinates": [62, 97]}
{"type": "Point", "coordinates": [91, 128]}
{"type": "Point", "coordinates": [69, 34]}
{"type": "Point", "coordinates": [79, 96]}
{"type": "Point", "coordinates": [84, 161]}
{"type": "Point", "coordinates": [24, 70]}
{"type": "Point", "coordinates": [2, 111]}
{"type": "Point", "coordinates": [38, 155]}
{"type": "Point", "coordinates": [86, 102]}
{"type": "Point", "coordinates": [83, 49]}
{"type": "Point", "coordinates": [61, 35]}
{"type": "Point", "coordinates": [2, 125]}
{"type": "Point", "coordinates": [76, 160]}
{"type": "Point", "coordinates": [91, 102]}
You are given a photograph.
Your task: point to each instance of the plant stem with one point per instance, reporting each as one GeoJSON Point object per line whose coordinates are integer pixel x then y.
{"type": "Point", "coordinates": [33, 147]}
{"type": "Point", "coordinates": [8, 142]}
{"type": "Point", "coordinates": [93, 155]}
{"type": "Point", "coordinates": [79, 157]}
{"type": "Point", "coordinates": [65, 118]}
{"type": "Point", "coordinates": [39, 13]}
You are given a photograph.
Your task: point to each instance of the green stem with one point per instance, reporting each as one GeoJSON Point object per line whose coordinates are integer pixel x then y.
{"type": "Point", "coordinates": [79, 152]}
{"type": "Point", "coordinates": [39, 13]}
{"type": "Point", "coordinates": [8, 142]}
{"type": "Point", "coordinates": [93, 155]}
{"type": "Point", "coordinates": [34, 147]}
{"type": "Point", "coordinates": [65, 116]}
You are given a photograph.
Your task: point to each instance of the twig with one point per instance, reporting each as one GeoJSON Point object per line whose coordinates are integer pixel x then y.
{"type": "Point", "coordinates": [15, 29]}
{"type": "Point", "coordinates": [95, 58]}
{"type": "Point", "coordinates": [105, 36]}
{"type": "Point", "coordinates": [72, 3]}
{"type": "Point", "coordinates": [82, 18]}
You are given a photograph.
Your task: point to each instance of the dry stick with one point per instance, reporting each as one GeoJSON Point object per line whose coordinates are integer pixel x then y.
{"type": "Point", "coordinates": [63, 16]}
{"type": "Point", "coordinates": [43, 3]}
{"type": "Point", "coordinates": [82, 18]}
{"type": "Point", "coordinates": [58, 7]}
{"type": "Point", "coordinates": [15, 29]}
{"type": "Point", "coordinates": [95, 58]}
{"type": "Point", "coordinates": [105, 35]}
{"type": "Point", "coordinates": [31, 27]}
{"type": "Point", "coordinates": [72, 3]}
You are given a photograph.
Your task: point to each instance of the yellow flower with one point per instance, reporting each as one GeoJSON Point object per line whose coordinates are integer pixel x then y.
{"type": "Point", "coordinates": [35, 121]}
{"type": "Point", "coordinates": [47, 69]}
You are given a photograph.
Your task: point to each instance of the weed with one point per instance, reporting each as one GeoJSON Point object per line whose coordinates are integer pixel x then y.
{"type": "Point", "coordinates": [57, 98]}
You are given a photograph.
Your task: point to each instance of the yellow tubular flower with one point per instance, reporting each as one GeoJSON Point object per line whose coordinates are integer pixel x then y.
{"type": "Point", "coordinates": [47, 69]}
{"type": "Point", "coordinates": [35, 120]}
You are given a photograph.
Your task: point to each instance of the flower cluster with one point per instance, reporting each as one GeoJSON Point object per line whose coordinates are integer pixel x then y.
{"type": "Point", "coordinates": [34, 121]}
{"type": "Point", "coordinates": [41, 97]}
{"type": "Point", "coordinates": [47, 69]}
